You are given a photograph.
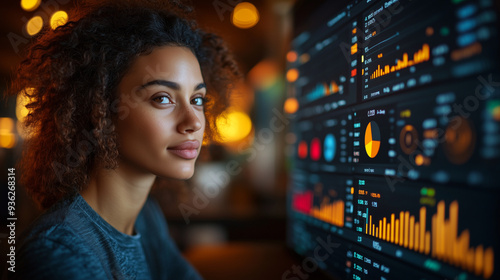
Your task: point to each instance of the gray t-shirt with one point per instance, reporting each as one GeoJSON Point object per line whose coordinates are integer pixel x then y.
{"type": "Point", "coordinates": [71, 241]}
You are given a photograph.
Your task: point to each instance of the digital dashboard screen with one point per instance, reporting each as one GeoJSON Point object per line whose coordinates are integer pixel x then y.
{"type": "Point", "coordinates": [395, 145]}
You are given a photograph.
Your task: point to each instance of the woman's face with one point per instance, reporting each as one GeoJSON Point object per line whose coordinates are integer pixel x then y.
{"type": "Point", "coordinates": [162, 128]}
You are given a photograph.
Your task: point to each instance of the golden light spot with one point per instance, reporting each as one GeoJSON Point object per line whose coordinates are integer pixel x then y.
{"type": "Point", "coordinates": [234, 125]}
{"type": "Point", "coordinates": [419, 160]}
{"type": "Point", "coordinates": [30, 5]}
{"type": "Point", "coordinates": [291, 56]}
{"type": "Point", "coordinates": [292, 75]}
{"type": "Point", "coordinates": [58, 18]}
{"type": "Point", "coordinates": [21, 102]}
{"type": "Point", "coordinates": [7, 137]}
{"type": "Point", "coordinates": [291, 105]}
{"type": "Point", "coordinates": [245, 15]}
{"type": "Point", "coordinates": [21, 112]}
{"type": "Point", "coordinates": [34, 25]}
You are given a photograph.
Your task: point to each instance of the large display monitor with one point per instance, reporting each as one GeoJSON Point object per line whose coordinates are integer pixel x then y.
{"type": "Point", "coordinates": [396, 143]}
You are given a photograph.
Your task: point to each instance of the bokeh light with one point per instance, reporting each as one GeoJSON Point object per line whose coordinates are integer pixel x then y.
{"type": "Point", "coordinates": [233, 125]}
{"type": "Point", "coordinates": [291, 105]}
{"type": "Point", "coordinates": [245, 15]}
{"type": "Point", "coordinates": [291, 56]}
{"type": "Point", "coordinates": [292, 75]}
{"type": "Point", "coordinates": [21, 112]}
{"type": "Point", "coordinates": [34, 25]}
{"type": "Point", "coordinates": [58, 18]}
{"type": "Point", "coordinates": [30, 5]}
{"type": "Point", "coordinates": [7, 136]}
{"type": "Point", "coordinates": [21, 102]}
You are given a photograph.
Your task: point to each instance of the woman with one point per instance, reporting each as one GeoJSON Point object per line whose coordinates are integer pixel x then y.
{"type": "Point", "coordinates": [122, 93]}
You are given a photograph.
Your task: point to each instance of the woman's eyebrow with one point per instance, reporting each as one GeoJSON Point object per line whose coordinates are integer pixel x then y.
{"type": "Point", "coordinates": [170, 84]}
{"type": "Point", "coordinates": [200, 86]}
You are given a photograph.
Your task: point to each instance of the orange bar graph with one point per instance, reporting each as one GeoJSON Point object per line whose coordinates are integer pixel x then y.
{"type": "Point", "coordinates": [396, 240]}
{"type": "Point", "coordinates": [412, 228]}
{"type": "Point", "coordinates": [401, 225]}
{"type": "Point", "coordinates": [407, 225]}
{"type": "Point", "coordinates": [420, 56]}
{"type": "Point", "coordinates": [422, 229]}
{"type": "Point", "coordinates": [332, 213]}
{"type": "Point", "coordinates": [387, 238]}
{"type": "Point", "coordinates": [417, 236]}
{"type": "Point", "coordinates": [442, 241]}
{"type": "Point", "coordinates": [384, 228]}
{"type": "Point", "coordinates": [392, 227]}
{"type": "Point", "coordinates": [434, 238]}
{"type": "Point", "coordinates": [427, 243]}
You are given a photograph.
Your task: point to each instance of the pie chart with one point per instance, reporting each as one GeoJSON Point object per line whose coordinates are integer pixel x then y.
{"type": "Point", "coordinates": [329, 147]}
{"type": "Point", "coordinates": [372, 139]}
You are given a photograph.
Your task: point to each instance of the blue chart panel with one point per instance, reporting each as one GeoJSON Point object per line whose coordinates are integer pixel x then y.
{"type": "Point", "coordinates": [397, 137]}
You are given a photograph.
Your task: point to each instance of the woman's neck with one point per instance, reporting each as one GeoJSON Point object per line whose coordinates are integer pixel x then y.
{"type": "Point", "coordinates": [118, 195]}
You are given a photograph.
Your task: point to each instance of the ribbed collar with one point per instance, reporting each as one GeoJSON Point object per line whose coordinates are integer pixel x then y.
{"type": "Point", "coordinates": [109, 230]}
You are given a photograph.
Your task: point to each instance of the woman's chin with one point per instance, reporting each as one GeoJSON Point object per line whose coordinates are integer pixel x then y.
{"type": "Point", "coordinates": [180, 175]}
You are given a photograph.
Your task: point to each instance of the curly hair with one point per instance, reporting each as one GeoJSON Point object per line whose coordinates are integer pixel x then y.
{"type": "Point", "coordinates": [71, 74]}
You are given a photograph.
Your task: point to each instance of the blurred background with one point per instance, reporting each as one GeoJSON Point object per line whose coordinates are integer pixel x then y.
{"type": "Point", "coordinates": [232, 211]}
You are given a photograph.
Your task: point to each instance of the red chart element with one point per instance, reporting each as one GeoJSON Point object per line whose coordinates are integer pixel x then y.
{"type": "Point", "coordinates": [315, 149]}
{"type": "Point", "coordinates": [302, 202]}
{"type": "Point", "coordinates": [302, 152]}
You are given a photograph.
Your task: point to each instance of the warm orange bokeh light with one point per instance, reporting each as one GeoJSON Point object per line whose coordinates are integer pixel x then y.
{"type": "Point", "coordinates": [291, 105]}
{"type": "Point", "coordinates": [7, 136]}
{"type": "Point", "coordinates": [34, 25]}
{"type": "Point", "coordinates": [245, 15]}
{"type": "Point", "coordinates": [291, 56]}
{"type": "Point", "coordinates": [30, 5]}
{"type": "Point", "coordinates": [58, 18]}
{"type": "Point", "coordinates": [233, 125]}
{"type": "Point", "coordinates": [292, 75]}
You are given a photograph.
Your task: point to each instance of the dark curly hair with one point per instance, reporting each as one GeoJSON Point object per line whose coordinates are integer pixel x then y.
{"type": "Point", "coordinates": [72, 74]}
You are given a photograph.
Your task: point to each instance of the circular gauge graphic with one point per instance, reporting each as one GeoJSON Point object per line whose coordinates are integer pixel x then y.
{"type": "Point", "coordinates": [329, 147]}
{"type": "Point", "coordinates": [408, 139]}
{"type": "Point", "coordinates": [460, 139]}
{"type": "Point", "coordinates": [372, 139]}
{"type": "Point", "coordinates": [315, 149]}
{"type": "Point", "coordinates": [302, 152]}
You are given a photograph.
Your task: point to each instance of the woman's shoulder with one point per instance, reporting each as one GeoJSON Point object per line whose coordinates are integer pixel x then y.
{"type": "Point", "coordinates": [53, 257]}
{"type": "Point", "coordinates": [51, 247]}
{"type": "Point", "coordinates": [57, 223]}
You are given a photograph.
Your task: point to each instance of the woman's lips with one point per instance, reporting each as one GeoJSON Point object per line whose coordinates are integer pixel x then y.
{"type": "Point", "coordinates": [186, 150]}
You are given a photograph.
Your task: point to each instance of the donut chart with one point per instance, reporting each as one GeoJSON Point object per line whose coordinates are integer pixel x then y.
{"type": "Point", "coordinates": [372, 139]}
{"type": "Point", "coordinates": [408, 139]}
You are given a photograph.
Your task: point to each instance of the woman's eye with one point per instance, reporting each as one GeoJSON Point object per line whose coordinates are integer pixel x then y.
{"type": "Point", "coordinates": [163, 100]}
{"type": "Point", "coordinates": [199, 101]}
